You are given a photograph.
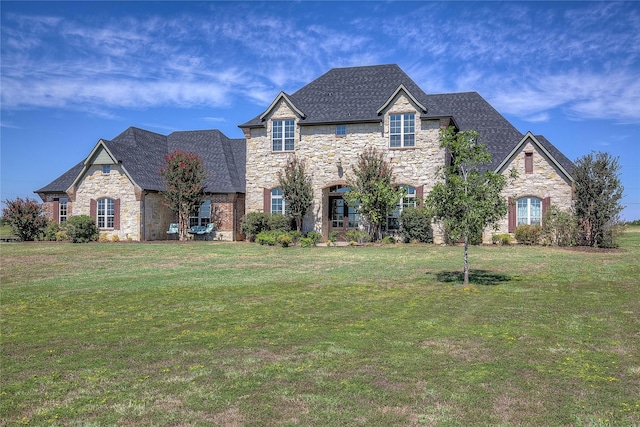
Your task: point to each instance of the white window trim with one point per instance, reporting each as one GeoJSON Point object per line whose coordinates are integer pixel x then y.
{"type": "Point", "coordinates": [283, 138]}
{"type": "Point", "coordinates": [402, 130]}
{"type": "Point", "coordinates": [63, 206]}
{"type": "Point", "coordinates": [103, 204]}
{"type": "Point", "coordinates": [529, 206]}
{"type": "Point", "coordinates": [278, 197]}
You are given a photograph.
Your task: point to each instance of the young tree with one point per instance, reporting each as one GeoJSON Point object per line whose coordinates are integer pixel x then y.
{"type": "Point", "coordinates": [598, 191]}
{"type": "Point", "coordinates": [183, 175]}
{"type": "Point", "coordinates": [468, 199]}
{"type": "Point", "coordinates": [372, 190]}
{"type": "Point", "coordinates": [26, 218]}
{"type": "Point", "coordinates": [296, 189]}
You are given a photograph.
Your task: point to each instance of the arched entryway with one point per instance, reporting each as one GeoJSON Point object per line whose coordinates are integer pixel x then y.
{"type": "Point", "coordinates": [338, 216]}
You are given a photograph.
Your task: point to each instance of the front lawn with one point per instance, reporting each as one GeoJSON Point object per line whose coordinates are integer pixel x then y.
{"type": "Point", "coordinates": [211, 333]}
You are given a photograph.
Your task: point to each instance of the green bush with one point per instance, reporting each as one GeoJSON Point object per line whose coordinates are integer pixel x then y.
{"type": "Point", "coordinates": [315, 237]}
{"type": "Point", "coordinates": [501, 239]}
{"type": "Point", "coordinates": [295, 236]}
{"type": "Point", "coordinates": [285, 240]}
{"type": "Point", "coordinates": [306, 242]}
{"type": "Point", "coordinates": [388, 240]}
{"type": "Point", "coordinates": [253, 223]}
{"type": "Point", "coordinates": [333, 237]}
{"type": "Point", "coordinates": [528, 234]}
{"type": "Point", "coordinates": [357, 236]}
{"type": "Point", "coordinates": [50, 232]}
{"type": "Point", "coordinates": [279, 222]}
{"type": "Point", "coordinates": [559, 227]}
{"type": "Point", "coordinates": [415, 225]}
{"type": "Point", "coordinates": [267, 237]}
{"type": "Point", "coordinates": [81, 229]}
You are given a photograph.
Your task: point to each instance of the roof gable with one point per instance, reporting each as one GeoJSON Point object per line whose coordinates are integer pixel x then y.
{"type": "Point", "coordinates": [564, 165]}
{"type": "Point", "coordinates": [399, 90]}
{"type": "Point", "coordinates": [284, 98]}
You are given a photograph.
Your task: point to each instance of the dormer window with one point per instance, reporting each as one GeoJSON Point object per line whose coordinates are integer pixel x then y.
{"type": "Point", "coordinates": [283, 135]}
{"type": "Point", "coordinates": [402, 130]}
{"type": "Point", "coordinates": [106, 169]}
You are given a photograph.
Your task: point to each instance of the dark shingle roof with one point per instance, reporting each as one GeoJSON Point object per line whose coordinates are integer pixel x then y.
{"type": "Point", "coordinates": [351, 94]}
{"type": "Point", "coordinates": [567, 164]}
{"type": "Point", "coordinates": [142, 153]}
{"type": "Point", "coordinates": [355, 94]}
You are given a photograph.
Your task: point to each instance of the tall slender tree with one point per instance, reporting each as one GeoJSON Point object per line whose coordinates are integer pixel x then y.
{"type": "Point", "coordinates": [372, 189]}
{"type": "Point", "coordinates": [296, 189]}
{"type": "Point", "coordinates": [183, 175]}
{"type": "Point", "coordinates": [598, 191]}
{"type": "Point", "coordinates": [468, 198]}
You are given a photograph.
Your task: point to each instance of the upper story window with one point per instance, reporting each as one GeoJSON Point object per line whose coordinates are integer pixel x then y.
{"type": "Point", "coordinates": [402, 130]}
{"type": "Point", "coordinates": [283, 135]}
{"type": "Point", "coordinates": [202, 216]}
{"type": "Point", "coordinates": [106, 213]}
{"type": "Point", "coordinates": [341, 130]}
{"type": "Point", "coordinates": [63, 209]}
{"type": "Point", "coordinates": [529, 211]}
{"type": "Point", "coordinates": [278, 204]}
{"type": "Point", "coordinates": [106, 169]}
{"type": "Point", "coordinates": [408, 201]}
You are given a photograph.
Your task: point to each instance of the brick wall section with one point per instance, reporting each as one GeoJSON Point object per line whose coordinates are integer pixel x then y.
{"type": "Point", "coordinates": [322, 150]}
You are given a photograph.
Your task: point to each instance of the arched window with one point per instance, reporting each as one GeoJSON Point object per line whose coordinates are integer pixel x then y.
{"type": "Point", "coordinates": [529, 211]}
{"type": "Point", "coordinates": [408, 201]}
{"type": "Point", "coordinates": [278, 205]}
{"type": "Point", "coordinates": [105, 213]}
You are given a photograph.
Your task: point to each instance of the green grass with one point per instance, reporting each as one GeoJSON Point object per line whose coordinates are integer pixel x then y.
{"type": "Point", "coordinates": [212, 333]}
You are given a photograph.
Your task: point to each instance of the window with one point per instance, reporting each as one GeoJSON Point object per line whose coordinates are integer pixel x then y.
{"type": "Point", "coordinates": [202, 216]}
{"type": "Point", "coordinates": [106, 169]}
{"type": "Point", "coordinates": [278, 205]}
{"type": "Point", "coordinates": [402, 130]}
{"type": "Point", "coordinates": [283, 135]}
{"type": "Point", "coordinates": [105, 217]}
{"type": "Point", "coordinates": [408, 201]}
{"type": "Point", "coordinates": [528, 162]}
{"type": "Point", "coordinates": [62, 209]}
{"type": "Point", "coordinates": [341, 130]}
{"type": "Point", "coordinates": [529, 211]}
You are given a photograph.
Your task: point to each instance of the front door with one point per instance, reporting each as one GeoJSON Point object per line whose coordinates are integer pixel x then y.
{"type": "Point", "coordinates": [342, 216]}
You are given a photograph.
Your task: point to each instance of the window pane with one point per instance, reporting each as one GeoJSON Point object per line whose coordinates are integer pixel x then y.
{"type": "Point", "coordinates": [341, 130]}
{"type": "Point", "coordinates": [409, 140]}
{"type": "Point", "coordinates": [394, 141]}
{"type": "Point", "coordinates": [408, 123]}
{"type": "Point", "coordinates": [394, 124]}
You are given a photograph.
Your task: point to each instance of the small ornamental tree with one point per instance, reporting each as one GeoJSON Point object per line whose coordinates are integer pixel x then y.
{"type": "Point", "coordinates": [372, 190]}
{"type": "Point", "coordinates": [468, 199]}
{"type": "Point", "coordinates": [183, 175]}
{"type": "Point", "coordinates": [26, 218]}
{"type": "Point", "coordinates": [296, 189]}
{"type": "Point", "coordinates": [598, 191]}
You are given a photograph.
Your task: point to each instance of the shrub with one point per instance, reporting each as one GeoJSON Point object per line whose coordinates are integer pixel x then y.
{"type": "Point", "coordinates": [306, 242]}
{"type": "Point", "coordinates": [253, 223]}
{"type": "Point", "coordinates": [115, 238]}
{"type": "Point", "coordinates": [50, 232]}
{"type": "Point", "coordinates": [501, 239]}
{"type": "Point", "coordinates": [559, 227]}
{"type": "Point", "coordinates": [26, 218]}
{"type": "Point", "coordinates": [279, 222]}
{"type": "Point", "coordinates": [81, 229]}
{"type": "Point", "coordinates": [314, 237]}
{"type": "Point", "coordinates": [388, 240]}
{"type": "Point", "coordinates": [357, 236]}
{"type": "Point", "coordinates": [415, 225]}
{"type": "Point", "coordinates": [103, 238]}
{"type": "Point", "coordinates": [295, 236]}
{"type": "Point", "coordinates": [267, 237]}
{"type": "Point", "coordinates": [333, 237]}
{"type": "Point", "coordinates": [285, 240]}
{"type": "Point", "coordinates": [527, 234]}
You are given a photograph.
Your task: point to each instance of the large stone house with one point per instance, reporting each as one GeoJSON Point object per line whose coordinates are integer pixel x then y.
{"type": "Point", "coordinates": [119, 184]}
{"type": "Point", "coordinates": [328, 123]}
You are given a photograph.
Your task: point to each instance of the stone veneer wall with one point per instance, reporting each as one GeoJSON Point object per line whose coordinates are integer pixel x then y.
{"type": "Point", "coordinates": [116, 185]}
{"type": "Point", "coordinates": [545, 181]}
{"type": "Point", "coordinates": [157, 217]}
{"type": "Point", "coordinates": [322, 149]}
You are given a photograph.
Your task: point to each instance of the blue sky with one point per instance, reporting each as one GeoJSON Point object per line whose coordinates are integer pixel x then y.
{"type": "Point", "coordinates": [75, 72]}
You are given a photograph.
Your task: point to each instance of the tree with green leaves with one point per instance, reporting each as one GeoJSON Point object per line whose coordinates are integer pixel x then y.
{"type": "Point", "coordinates": [26, 218]}
{"type": "Point", "coordinates": [598, 191]}
{"type": "Point", "coordinates": [468, 198]}
{"type": "Point", "coordinates": [372, 190]}
{"type": "Point", "coordinates": [183, 175]}
{"type": "Point", "coordinates": [297, 190]}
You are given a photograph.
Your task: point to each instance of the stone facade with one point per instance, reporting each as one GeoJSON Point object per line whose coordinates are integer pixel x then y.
{"type": "Point", "coordinates": [330, 158]}
{"type": "Point", "coordinates": [115, 185]}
